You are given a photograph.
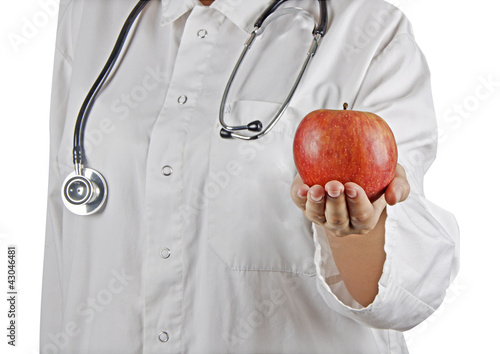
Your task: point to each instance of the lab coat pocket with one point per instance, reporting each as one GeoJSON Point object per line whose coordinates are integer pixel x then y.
{"type": "Point", "coordinates": [253, 225]}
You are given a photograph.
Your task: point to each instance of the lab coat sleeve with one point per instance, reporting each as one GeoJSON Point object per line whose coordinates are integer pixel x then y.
{"type": "Point", "coordinates": [421, 239]}
{"type": "Point", "coordinates": [52, 325]}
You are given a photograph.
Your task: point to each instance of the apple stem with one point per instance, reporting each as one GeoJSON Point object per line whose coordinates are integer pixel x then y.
{"type": "Point", "coordinates": [345, 105]}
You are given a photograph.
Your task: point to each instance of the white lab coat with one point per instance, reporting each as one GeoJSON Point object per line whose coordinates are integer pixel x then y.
{"type": "Point", "coordinates": [216, 254]}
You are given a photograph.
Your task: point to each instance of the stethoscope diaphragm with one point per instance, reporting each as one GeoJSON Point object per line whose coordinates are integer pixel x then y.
{"type": "Point", "coordinates": [84, 194]}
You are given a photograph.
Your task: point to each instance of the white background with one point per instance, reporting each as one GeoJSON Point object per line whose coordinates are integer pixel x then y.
{"type": "Point", "coordinates": [460, 40]}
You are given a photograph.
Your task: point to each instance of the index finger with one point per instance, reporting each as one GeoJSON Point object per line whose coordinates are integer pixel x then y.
{"type": "Point", "coordinates": [298, 192]}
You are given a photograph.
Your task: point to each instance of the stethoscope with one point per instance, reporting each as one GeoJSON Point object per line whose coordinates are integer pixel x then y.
{"type": "Point", "coordinates": [85, 190]}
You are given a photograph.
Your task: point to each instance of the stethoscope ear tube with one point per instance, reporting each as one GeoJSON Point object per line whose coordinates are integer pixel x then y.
{"type": "Point", "coordinates": [228, 131]}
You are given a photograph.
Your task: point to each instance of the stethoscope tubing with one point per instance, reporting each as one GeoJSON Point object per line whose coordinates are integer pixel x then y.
{"type": "Point", "coordinates": [228, 131]}
{"type": "Point", "coordinates": [85, 190]}
{"type": "Point", "coordinates": [78, 138]}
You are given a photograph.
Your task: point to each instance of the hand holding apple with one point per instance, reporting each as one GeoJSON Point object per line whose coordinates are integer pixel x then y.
{"type": "Point", "coordinates": [347, 146]}
{"type": "Point", "coordinates": [345, 209]}
{"type": "Point", "coordinates": [348, 160]}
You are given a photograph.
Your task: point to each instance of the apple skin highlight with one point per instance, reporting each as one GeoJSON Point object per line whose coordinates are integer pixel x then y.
{"type": "Point", "coordinates": [346, 146]}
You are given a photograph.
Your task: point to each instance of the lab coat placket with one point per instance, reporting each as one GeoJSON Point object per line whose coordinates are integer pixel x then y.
{"type": "Point", "coordinates": [166, 226]}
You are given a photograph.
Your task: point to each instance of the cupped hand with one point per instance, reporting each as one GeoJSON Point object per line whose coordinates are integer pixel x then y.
{"type": "Point", "coordinates": [345, 209]}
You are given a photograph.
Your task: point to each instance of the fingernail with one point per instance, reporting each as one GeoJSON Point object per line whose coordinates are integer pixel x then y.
{"type": "Point", "coordinates": [351, 193]}
{"type": "Point", "coordinates": [301, 195]}
{"type": "Point", "coordinates": [316, 199]}
{"type": "Point", "coordinates": [334, 194]}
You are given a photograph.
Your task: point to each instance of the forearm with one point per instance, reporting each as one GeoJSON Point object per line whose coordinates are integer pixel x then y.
{"type": "Point", "coordinates": [360, 260]}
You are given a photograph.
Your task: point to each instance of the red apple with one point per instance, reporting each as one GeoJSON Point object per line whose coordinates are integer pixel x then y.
{"type": "Point", "coordinates": [346, 146]}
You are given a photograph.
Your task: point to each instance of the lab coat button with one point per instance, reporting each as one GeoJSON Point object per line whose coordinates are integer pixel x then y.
{"type": "Point", "coordinates": [163, 337]}
{"type": "Point", "coordinates": [182, 99]}
{"type": "Point", "coordinates": [165, 253]}
{"type": "Point", "coordinates": [202, 33]}
{"type": "Point", "coordinates": [167, 170]}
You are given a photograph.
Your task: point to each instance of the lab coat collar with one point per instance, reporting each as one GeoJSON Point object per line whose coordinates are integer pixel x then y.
{"type": "Point", "coordinates": [173, 9]}
{"type": "Point", "coordinates": [242, 12]}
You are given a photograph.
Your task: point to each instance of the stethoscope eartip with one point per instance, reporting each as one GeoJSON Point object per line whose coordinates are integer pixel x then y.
{"type": "Point", "coordinates": [225, 134]}
{"type": "Point", "coordinates": [255, 126]}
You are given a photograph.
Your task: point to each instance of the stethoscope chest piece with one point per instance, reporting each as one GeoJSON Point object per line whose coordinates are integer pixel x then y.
{"type": "Point", "coordinates": [84, 194]}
